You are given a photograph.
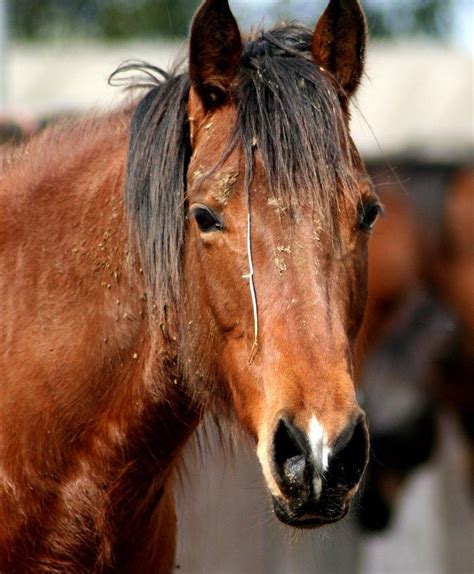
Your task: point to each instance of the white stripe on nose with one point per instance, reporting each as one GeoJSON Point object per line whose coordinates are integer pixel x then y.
{"type": "Point", "coordinates": [320, 452]}
{"type": "Point", "coordinates": [318, 442]}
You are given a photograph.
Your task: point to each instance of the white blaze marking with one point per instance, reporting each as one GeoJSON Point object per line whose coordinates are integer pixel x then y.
{"type": "Point", "coordinates": [318, 442]}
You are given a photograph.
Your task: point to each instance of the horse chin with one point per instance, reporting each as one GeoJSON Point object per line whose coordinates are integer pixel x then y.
{"type": "Point", "coordinates": [309, 515]}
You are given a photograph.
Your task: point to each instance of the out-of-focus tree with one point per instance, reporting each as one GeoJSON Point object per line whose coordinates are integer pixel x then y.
{"type": "Point", "coordinates": [113, 19]}
{"type": "Point", "coordinates": [132, 18]}
{"type": "Point", "coordinates": [416, 17]}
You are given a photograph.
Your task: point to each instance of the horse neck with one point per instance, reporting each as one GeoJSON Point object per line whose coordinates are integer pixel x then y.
{"type": "Point", "coordinates": [108, 401]}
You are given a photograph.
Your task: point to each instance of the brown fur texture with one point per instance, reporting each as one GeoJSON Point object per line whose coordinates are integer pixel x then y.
{"type": "Point", "coordinates": [122, 322]}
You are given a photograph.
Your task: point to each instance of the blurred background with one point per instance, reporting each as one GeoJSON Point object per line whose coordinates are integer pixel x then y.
{"type": "Point", "coordinates": [413, 122]}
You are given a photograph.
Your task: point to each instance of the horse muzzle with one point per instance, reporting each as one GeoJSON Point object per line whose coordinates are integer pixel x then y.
{"type": "Point", "coordinates": [316, 488]}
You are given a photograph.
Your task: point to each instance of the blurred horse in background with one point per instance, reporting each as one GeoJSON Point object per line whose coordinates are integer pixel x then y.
{"type": "Point", "coordinates": [417, 336]}
{"type": "Point", "coordinates": [16, 130]}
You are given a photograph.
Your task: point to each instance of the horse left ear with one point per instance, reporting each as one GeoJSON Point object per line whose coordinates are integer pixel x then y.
{"type": "Point", "coordinates": [215, 52]}
{"type": "Point", "coordinates": [339, 43]}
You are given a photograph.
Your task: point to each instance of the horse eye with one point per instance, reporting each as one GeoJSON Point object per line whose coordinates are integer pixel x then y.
{"type": "Point", "coordinates": [206, 220]}
{"type": "Point", "coordinates": [368, 214]}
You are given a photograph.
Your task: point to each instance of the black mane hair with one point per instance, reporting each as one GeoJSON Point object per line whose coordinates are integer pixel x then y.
{"type": "Point", "coordinates": [288, 109]}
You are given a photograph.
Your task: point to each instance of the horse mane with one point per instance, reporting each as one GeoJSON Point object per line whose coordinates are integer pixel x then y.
{"type": "Point", "coordinates": [287, 108]}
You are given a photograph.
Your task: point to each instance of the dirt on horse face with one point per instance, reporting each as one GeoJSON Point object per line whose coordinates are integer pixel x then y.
{"type": "Point", "coordinates": [230, 277]}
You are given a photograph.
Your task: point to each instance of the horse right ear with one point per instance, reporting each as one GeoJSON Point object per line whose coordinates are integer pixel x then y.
{"type": "Point", "coordinates": [339, 43]}
{"type": "Point", "coordinates": [215, 52]}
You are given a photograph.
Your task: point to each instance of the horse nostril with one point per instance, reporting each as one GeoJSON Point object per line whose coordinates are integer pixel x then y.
{"type": "Point", "coordinates": [294, 471]}
{"type": "Point", "coordinates": [289, 456]}
{"type": "Point", "coordinates": [351, 454]}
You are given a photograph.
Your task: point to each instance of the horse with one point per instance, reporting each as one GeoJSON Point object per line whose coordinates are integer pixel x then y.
{"type": "Point", "coordinates": [451, 273]}
{"type": "Point", "coordinates": [202, 249]}
{"type": "Point", "coordinates": [416, 338]}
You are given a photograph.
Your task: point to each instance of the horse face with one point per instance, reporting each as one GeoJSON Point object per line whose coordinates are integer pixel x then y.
{"type": "Point", "coordinates": [296, 396]}
{"type": "Point", "coordinates": [281, 339]}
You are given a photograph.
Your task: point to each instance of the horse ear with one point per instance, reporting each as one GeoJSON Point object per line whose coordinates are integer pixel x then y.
{"type": "Point", "coordinates": [339, 42]}
{"type": "Point", "coordinates": [215, 51]}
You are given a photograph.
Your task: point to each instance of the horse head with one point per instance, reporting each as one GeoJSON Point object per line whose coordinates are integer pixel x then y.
{"type": "Point", "coordinates": [268, 238]}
